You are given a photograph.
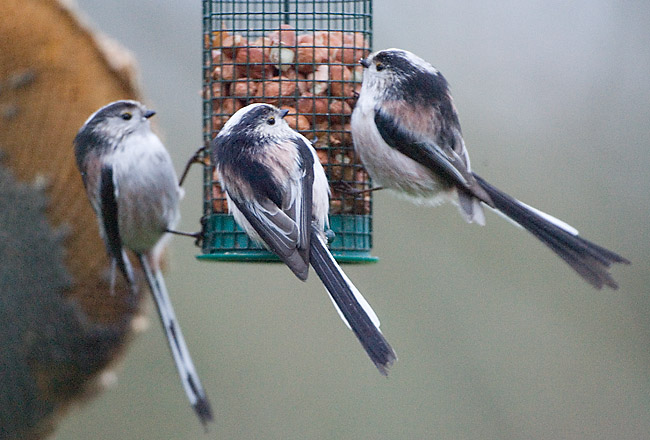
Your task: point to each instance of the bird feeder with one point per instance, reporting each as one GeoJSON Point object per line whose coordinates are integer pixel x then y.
{"type": "Point", "coordinates": [303, 56]}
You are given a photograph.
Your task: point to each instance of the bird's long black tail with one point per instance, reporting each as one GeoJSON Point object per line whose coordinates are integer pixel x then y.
{"type": "Point", "coordinates": [182, 358]}
{"type": "Point", "coordinates": [351, 305]}
{"type": "Point", "coordinates": [588, 259]}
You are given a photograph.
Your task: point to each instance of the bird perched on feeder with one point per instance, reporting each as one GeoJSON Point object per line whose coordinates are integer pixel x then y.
{"type": "Point", "coordinates": [278, 193]}
{"type": "Point", "coordinates": [406, 131]}
{"type": "Point", "coordinates": [132, 186]}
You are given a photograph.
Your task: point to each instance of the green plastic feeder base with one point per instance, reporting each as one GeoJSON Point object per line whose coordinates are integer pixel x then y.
{"type": "Point", "coordinates": [252, 256]}
{"type": "Point", "coordinates": [226, 241]}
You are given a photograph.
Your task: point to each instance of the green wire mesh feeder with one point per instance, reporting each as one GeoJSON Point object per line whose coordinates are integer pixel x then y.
{"type": "Point", "coordinates": [301, 55]}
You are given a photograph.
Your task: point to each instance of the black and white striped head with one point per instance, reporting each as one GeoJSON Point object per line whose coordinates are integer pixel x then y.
{"type": "Point", "coordinates": [256, 123]}
{"type": "Point", "coordinates": [254, 134]}
{"type": "Point", "coordinates": [396, 74]}
{"type": "Point", "coordinates": [108, 126]}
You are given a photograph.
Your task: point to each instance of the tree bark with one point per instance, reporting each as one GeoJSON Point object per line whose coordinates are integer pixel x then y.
{"type": "Point", "coordinates": [60, 327]}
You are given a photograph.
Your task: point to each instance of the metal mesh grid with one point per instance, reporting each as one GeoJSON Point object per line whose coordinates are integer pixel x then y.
{"type": "Point", "coordinates": [301, 55]}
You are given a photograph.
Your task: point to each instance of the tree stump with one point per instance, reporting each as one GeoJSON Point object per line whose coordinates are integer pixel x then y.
{"type": "Point", "coordinates": [60, 327]}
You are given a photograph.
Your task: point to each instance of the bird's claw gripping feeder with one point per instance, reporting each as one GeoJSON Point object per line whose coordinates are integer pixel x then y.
{"type": "Point", "coordinates": [301, 55]}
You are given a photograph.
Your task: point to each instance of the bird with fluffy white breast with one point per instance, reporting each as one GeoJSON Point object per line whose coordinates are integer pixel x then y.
{"type": "Point", "coordinates": [407, 133]}
{"type": "Point", "coordinates": [278, 193]}
{"type": "Point", "coordinates": [132, 186]}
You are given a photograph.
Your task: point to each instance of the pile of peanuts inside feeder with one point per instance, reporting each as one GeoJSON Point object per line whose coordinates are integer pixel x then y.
{"type": "Point", "coordinates": [316, 76]}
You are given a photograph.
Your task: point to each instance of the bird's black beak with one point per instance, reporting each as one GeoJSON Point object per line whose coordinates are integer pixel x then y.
{"type": "Point", "coordinates": [149, 113]}
{"type": "Point", "coordinates": [364, 62]}
{"type": "Point", "coordinates": [283, 113]}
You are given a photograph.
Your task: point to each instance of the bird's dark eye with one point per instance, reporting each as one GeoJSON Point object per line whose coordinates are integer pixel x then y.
{"type": "Point", "coordinates": [380, 67]}
{"type": "Point", "coordinates": [270, 121]}
{"type": "Point", "coordinates": [126, 116]}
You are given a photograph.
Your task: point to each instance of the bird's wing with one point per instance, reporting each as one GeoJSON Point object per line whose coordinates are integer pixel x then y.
{"type": "Point", "coordinates": [280, 212]}
{"type": "Point", "coordinates": [299, 206]}
{"type": "Point", "coordinates": [91, 169]}
{"type": "Point", "coordinates": [442, 160]}
{"type": "Point", "coordinates": [110, 222]}
{"type": "Point", "coordinates": [278, 231]}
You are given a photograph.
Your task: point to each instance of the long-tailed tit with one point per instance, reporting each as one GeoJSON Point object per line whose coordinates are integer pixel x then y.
{"type": "Point", "coordinates": [132, 186]}
{"type": "Point", "coordinates": [407, 134]}
{"type": "Point", "coordinates": [278, 193]}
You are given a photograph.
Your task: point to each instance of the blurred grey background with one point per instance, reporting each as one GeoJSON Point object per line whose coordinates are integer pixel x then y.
{"type": "Point", "coordinates": [497, 338]}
